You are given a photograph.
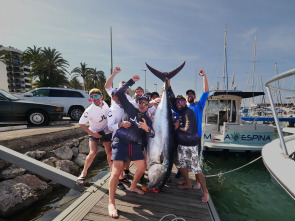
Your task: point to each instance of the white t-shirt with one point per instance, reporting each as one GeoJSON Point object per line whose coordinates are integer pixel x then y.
{"type": "Point", "coordinates": [97, 118]}
{"type": "Point", "coordinates": [109, 91]}
{"type": "Point", "coordinates": [115, 115]}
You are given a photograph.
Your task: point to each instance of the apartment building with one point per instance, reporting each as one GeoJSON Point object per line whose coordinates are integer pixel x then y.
{"type": "Point", "coordinates": [14, 77]}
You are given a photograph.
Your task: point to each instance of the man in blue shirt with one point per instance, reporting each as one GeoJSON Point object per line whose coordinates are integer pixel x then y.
{"type": "Point", "coordinates": [198, 106]}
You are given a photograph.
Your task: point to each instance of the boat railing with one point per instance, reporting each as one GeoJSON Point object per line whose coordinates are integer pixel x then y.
{"type": "Point", "coordinates": [268, 89]}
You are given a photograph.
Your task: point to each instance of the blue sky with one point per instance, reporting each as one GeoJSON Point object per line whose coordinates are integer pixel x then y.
{"type": "Point", "coordinates": [163, 33]}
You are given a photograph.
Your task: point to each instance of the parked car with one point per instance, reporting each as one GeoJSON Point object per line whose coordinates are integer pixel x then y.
{"type": "Point", "coordinates": [13, 108]}
{"type": "Point", "coordinates": [74, 101]}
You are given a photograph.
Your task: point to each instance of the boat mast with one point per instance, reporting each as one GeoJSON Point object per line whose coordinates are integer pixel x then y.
{"type": "Point", "coordinates": [254, 62]}
{"type": "Point", "coordinates": [225, 62]}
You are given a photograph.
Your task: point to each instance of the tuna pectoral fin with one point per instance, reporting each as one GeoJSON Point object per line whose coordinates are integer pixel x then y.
{"type": "Point", "coordinates": [163, 75]}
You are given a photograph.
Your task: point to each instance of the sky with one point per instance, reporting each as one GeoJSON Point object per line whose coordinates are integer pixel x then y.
{"type": "Point", "coordinates": [164, 34]}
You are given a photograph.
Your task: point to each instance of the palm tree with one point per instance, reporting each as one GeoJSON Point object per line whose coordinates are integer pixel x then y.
{"type": "Point", "coordinates": [96, 79]}
{"type": "Point", "coordinates": [83, 72]}
{"type": "Point", "coordinates": [75, 83]}
{"type": "Point", "coordinates": [55, 67]}
{"type": "Point", "coordinates": [3, 54]}
{"type": "Point", "coordinates": [48, 67]}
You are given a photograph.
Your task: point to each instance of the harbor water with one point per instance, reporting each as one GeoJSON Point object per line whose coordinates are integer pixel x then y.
{"type": "Point", "coordinates": [246, 194]}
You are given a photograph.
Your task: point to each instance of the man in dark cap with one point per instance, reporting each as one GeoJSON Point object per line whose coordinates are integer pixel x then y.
{"type": "Point", "coordinates": [127, 142]}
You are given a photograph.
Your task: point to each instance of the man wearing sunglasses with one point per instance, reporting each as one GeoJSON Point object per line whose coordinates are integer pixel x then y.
{"type": "Point", "coordinates": [96, 116]}
{"type": "Point", "coordinates": [127, 142]}
{"type": "Point", "coordinates": [188, 143]}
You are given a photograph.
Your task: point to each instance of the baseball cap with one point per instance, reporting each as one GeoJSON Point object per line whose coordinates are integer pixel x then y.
{"type": "Point", "coordinates": [154, 93]}
{"type": "Point", "coordinates": [144, 96]}
{"type": "Point", "coordinates": [180, 97]}
{"type": "Point", "coordinates": [114, 92]}
{"type": "Point", "coordinates": [139, 88]}
{"type": "Point", "coordinates": [190, 91]}
{"type": "Point", "coordinates": [94, 90]}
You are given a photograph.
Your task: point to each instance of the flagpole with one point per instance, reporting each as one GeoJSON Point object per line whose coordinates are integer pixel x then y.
{"type": "Point", "coordinates": [111, 52]}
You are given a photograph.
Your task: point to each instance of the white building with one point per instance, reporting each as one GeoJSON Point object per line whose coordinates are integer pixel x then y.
{"type": "Point", "coordinates": [14, 77]}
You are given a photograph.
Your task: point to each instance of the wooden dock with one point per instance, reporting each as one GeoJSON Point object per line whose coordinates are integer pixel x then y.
{"type": "Point", "coordinates": [180, 203]}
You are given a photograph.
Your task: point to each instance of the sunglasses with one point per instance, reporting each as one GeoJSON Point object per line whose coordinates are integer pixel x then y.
{"type": "Point", "coordinates": [144, 103]}
{"type": "Point", "coordinates": [139, 92]}
{"type": "Point", "coordinates": [95, 96]}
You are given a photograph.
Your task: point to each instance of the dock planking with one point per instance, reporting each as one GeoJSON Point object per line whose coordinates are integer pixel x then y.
{"type": "Point", "coordinates": [180, 203]}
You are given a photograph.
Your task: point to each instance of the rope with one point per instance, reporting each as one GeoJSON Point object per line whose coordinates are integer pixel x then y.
{"type": "Point", "coordinates": [222, 173]}
{"type": "Point", "coordinates": [174, 219]}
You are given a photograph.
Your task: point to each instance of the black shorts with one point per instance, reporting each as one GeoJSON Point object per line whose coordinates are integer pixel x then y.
{"type": "Point", "coordinates": [104, 138]}
{"type": "Point", "coordinates": [124, 151]}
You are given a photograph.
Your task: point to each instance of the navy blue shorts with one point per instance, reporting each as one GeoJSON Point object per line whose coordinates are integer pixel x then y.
{"type": "Point", "coordinates": [123, 152]}
{"type": "Point", "coordinates": [104, 138]}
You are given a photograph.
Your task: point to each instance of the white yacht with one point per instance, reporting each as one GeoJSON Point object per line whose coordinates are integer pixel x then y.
{"type": "Point", "coordinates": [223, 128]}
{"type": "Point", "coordinates": [279, 155]}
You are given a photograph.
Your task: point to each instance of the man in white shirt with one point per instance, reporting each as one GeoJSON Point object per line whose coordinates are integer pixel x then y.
{"type": "Point", "coordinates": [115, 116]}
{"type": "Point", "coordinates": [96, 116]}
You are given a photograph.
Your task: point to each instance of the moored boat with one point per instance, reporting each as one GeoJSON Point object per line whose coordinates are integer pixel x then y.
{"type": "Point", "coordinates": [279, 155]}
{"type": "Point", "coordinates": [223, 128]}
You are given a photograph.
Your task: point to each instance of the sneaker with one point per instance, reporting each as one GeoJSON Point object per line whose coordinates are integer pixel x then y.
{"type": "Point", "coordinates": [121, 186]}
{"type": "Point", "coordinates": [178, 175]}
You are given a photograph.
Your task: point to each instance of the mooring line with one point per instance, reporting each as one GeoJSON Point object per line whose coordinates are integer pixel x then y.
{"type": "Point", "coordinates": [222, 173]}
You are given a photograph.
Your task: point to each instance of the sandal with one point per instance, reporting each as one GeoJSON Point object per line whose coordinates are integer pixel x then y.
{"type": "Point", "coordinates": [124, 180]}
{"type": "Point", "coordinates": [81, 180]}
{"type": "Point", "coordinates": [121, 186]}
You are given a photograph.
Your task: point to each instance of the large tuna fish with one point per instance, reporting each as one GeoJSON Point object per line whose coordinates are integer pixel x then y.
{"type": "Point", "coordinates": [161, 149]}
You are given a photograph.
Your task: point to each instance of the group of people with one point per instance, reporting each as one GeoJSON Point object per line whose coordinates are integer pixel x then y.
{"type": "Point", "coordinates": [125, 127]}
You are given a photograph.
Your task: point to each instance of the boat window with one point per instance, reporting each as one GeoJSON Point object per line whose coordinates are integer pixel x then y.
{"type": "Point", "coordinates": [234, 112]}
{"type": "Point", "coordinates": [212, 112]}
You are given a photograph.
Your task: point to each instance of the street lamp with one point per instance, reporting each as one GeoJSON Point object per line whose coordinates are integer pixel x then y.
{"type": "Point", "coordinates": [156, 87]}
{"type": "Point", "coordinates": [144, 80]}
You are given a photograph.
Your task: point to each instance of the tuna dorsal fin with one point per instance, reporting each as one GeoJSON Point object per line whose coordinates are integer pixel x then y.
{"type": "Point", "coordinates": [163, 75]}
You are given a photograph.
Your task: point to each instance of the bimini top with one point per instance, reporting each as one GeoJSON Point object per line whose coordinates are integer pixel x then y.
{"type": "Point", "coordinates": [237, 93]}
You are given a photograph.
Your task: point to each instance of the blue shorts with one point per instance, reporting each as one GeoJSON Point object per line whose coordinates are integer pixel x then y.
{"type": "Point", "coordinates": [124, 151]}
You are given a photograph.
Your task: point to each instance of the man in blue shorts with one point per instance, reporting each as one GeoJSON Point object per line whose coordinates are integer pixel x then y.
{"type": "Point", "coordinates": [127, 142]}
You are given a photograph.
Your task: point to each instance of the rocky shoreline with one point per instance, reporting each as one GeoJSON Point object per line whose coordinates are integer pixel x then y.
{"type": "Point", "coordinates": [20, 188]}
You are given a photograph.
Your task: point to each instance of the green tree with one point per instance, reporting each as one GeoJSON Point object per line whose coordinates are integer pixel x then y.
{"type": "Point", "coordinates": [75, 83]}
{"type": "Point", "coordinates": [3, 54]}
{"type": "Point", "coordinates": [82, 71]}
{"type": "Point", "coordinates": [48, 67]}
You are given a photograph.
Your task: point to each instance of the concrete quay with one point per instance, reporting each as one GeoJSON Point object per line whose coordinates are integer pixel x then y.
{"type": "Point", "coordinates": [22, 138]}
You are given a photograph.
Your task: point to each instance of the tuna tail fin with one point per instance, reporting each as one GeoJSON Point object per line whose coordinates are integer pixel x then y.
{"type": "Point", "coordinates": [164, 75]}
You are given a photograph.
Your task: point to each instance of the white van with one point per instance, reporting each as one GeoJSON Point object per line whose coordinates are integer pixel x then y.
{"type": "Point", "coordinates": [74, 101]}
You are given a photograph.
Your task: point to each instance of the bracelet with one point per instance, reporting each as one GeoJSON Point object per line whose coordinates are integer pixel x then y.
{"type": "Point", "coordinates": [148, 130]}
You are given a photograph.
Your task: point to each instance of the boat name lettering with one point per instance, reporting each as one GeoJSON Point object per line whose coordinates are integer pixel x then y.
{"type": "Point", "coordinates": [207, 137]}
{"type": "Point", "coordinates": [250, 137]}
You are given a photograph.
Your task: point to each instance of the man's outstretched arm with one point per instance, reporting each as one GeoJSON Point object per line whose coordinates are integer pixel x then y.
{"type": "Point", "coordinates": [110, 80]}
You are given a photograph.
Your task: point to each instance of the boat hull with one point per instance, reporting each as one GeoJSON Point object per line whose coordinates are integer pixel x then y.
{"type": "Point", "coordinates": [280, 166]}
{"type": "Point", "coordinates": [237, 137]}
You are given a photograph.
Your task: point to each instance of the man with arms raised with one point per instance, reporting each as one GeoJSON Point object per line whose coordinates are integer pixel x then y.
{"type": "Point", "coordinates": [127, 142]}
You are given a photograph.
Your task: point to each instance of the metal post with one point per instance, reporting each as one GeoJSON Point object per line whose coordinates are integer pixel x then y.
{"type": "Point", "coordinates": [283, 145]}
